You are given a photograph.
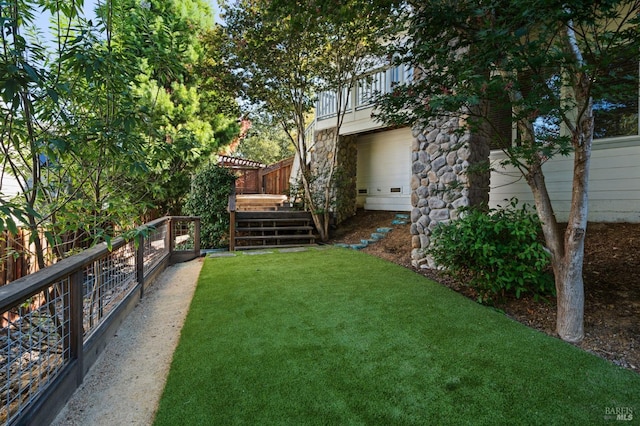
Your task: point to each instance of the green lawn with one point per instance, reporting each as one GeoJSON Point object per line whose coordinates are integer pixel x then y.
{"type": "Point", "coordinates": [337, 337]}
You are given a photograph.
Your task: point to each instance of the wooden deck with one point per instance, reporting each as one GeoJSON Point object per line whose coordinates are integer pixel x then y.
{"type": "Point", "coordinates": [265, 221]}
{"type": "Point", "coordinates": [260, 202]}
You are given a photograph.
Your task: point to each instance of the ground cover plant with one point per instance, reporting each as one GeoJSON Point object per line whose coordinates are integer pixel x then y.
{"type": "Point", "coordinates": [338, 337]}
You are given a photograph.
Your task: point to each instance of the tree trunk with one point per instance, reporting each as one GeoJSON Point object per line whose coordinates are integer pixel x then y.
{"type": "Point", "coordinates": [569, 282]}
{"type": "Point", "coordinates": [568, 268]}
{"type": "Point", "coordinates": [570, 296]}
{"type": "Point", "coordinates": [567, 254]}
{"type": "Point", "coordinates": [318, 217]}
{"type": "Point", "coordinates": [568, 251]}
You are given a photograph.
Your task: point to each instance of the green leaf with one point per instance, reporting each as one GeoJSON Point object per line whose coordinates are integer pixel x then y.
{"type": "Point", "coordinates": [11, 225]}
{"type": "Point", "coordinates": [53, 95]}
{"type": "Point", "coordinates": [31, 72]}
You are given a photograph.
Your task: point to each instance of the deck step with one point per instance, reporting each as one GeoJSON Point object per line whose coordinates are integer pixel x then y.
{"type": "Point", "coordinates": [267, 229]}
{"type": "Point", "coordinates": [275, 237]}
{"type": "Point", "coordinates": [275, 228]}
{"type": "Point", "coordinates": [270, 223]}
{"type": "Point", "coordinates": [272, 215]}
{"type": "Point", "coordinates": [274, 246]}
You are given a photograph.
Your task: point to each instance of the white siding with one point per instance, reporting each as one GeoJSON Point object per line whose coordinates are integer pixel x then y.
{"type": "Point", "coordinates": [614, 182]}
{"type": "Point", "coordinates": [384, 170]}
{"type": "Point", "coordinates": [9, 187]}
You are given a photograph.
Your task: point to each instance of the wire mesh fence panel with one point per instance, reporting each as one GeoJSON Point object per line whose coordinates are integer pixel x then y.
{"type": "Point", "coordinates": [34, 347]}
{"type": "Point", "coordinates": [183, 235]}
{"type": "Point", "coordinates": [155, 247]}
{"type": "Point", "coordinates": [46, 319]}
{"type": "Point", "coordinates": [107, 281]}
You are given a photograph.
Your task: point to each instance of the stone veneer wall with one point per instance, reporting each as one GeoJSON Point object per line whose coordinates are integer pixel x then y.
{"type": "Point", "coordinates": [440, 184]}
{"type": "Point", "coordinates": [344, 191]}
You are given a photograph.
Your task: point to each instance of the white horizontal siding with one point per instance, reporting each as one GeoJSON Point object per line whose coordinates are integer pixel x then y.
{"type": "Point", "coordinates": [10, 187]}
{"type": "Point", "coordinates": [614, 183]}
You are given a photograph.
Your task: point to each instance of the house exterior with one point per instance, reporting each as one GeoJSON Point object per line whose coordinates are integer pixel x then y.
{"type": "Point", "coordinates": [407, 169]}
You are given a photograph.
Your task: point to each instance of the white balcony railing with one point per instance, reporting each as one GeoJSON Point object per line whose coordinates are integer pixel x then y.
{"type": "Point", "coordinates": [365, 92]}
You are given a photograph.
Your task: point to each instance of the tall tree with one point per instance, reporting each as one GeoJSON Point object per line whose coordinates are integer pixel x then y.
{"type": "Point", "coordinates": [105, 120]}
{"type": "Point", "coordinates": [265, 141]}
{"type": "Point", "coordinates": [41, 115]}
{"type": "Point", "coordinates": [288, 51]}
{"type": "Point", "coordinates": [183, 89]}
{"type": "Point", "coordinates": [540, 63]}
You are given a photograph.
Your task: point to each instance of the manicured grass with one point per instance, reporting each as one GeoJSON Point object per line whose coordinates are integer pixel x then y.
{"type": "Point", "coordinates": [335, 337]}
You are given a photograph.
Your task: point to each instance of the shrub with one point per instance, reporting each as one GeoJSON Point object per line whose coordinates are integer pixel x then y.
{"type": "Point", "coordinates": [496, 252]}
{"type": "Point", "coordinates": [209, 197]}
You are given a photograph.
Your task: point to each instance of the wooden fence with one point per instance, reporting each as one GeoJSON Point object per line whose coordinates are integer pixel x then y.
{"type": "Point", "coordinates": [57, 321]}
{"type": "Point", "coordinates": [275, 178]}
{"type": "Point", "coordinates": [17, 255]}
{"type": "Point", "coordinates": [247, 173]}
{"type": "Point", "coordinates": [247, 181]}
{"type": "Point", "coordinates": [255, 178]}
{"type": "Point", "coordinates": [14, 263]}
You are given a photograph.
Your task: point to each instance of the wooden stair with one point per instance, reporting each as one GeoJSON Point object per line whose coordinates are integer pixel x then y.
{"type": "Point", "coordinates": [263, 226]}
{"type": "Point", "coordinates": [272, 229]}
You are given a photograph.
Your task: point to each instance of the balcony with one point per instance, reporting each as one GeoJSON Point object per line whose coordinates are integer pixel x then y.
{"type": "Point", "coordinates": [361, 100]}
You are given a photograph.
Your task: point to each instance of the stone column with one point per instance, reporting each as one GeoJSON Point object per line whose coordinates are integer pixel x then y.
{"type": "Point", "coordinates": [343, 193]}
{"type": "Point", "coordinates": [440, 183]}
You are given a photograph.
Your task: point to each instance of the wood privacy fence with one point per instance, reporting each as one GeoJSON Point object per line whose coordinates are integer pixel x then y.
{"type": "Point", "coordinates": [14, 260]}
{"type": "Point", "coordinates": [17, 258]}
{"type": "Point", "coordinates": [275, 178]}
{"type": "Point", "coordinates": [56, 321]}
{"type": "Point", "coordinates": [247, 173]}
{"type": "Point", "coordinates": [256, 178]}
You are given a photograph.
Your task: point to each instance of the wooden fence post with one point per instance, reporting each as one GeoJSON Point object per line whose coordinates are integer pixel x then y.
{"type": "Point", "coordinates": [196, 236]}
{"type": "Point", "coordinates": [140, 263]}
{"type": "Point", "coordinates": [76, 322]}
{"type": "Point", "coordinates": [232, 221]}
{"type": "Point", "coordinates": [170, 234]}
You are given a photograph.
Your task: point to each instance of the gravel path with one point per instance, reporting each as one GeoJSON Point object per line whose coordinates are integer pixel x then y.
{"type": "Point", "coordinates": [126, 382]}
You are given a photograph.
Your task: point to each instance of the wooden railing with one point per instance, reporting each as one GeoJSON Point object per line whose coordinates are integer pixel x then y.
{"type": "Point", "coordinates": [56, 321]}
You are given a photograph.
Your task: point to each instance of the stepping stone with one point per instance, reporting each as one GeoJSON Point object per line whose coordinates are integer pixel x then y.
{"type": "Point", "coordinates": [369, 241]}
{"type": "Point", "coordinates": [377, 236]}
{"type": "Point", "coordinates": [221, 254]}
{"type": "Point", "coordinates": [293, 250]}
{"type": "Point", "coordinates": [402, 216]}
{"type": "Point", "coordinates": [399, 222]}
{"type": "Point", "coordinates": [210, 251]}
{"type": "Point", "coordinates": [384, 230]}
{"type": "Point", "coordinates": [342, 245]}
{"type": "Point", "coordinates": [358, 246]}
{"type": "Point", "coordinates": [257, 252]}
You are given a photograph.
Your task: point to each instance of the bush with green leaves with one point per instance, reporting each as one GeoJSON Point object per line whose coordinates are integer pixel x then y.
{"type": "Point", "coordinates": [209, 197]}
{"type": "Point", "coordinates": [496, 252]}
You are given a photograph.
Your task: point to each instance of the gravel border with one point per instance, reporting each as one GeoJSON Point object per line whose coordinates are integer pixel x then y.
{"type": "Point", "coordinates": [126, 382]}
